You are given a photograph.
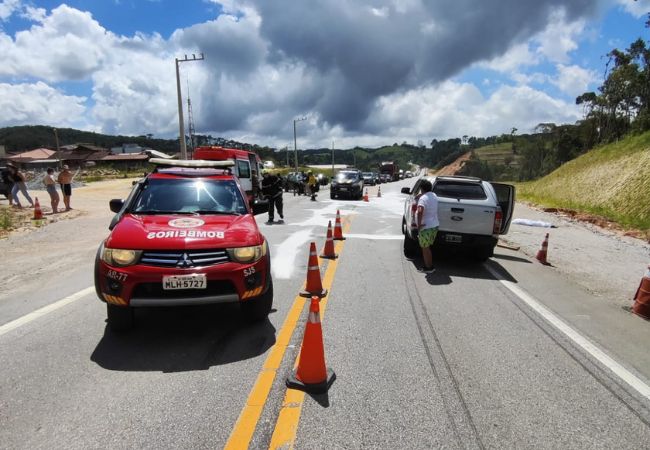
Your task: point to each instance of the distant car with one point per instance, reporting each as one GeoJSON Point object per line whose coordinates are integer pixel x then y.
{"type": "Point", "coordinates": [322, 179]}
{"type": "Point", "coordinates": [408, 174]}
{"type": "Point", "coordinates": [295, 182]}
{"type": "Point", "coordinates": [385, 178]}
{"type": "Point", "coordinates": [369, 178]}
{"type": "Point", "coordinates": [347, 183]}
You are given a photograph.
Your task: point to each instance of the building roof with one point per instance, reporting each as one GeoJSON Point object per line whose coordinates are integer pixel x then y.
{"type": "Point", "coordinates": [39, 153]}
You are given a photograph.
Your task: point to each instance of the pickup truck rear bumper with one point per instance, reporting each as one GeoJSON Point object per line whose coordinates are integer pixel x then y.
{"type": "Point", "coordinates": [448, 239]}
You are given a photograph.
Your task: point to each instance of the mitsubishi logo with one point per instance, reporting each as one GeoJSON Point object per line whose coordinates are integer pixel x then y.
{"type": "Point", "coordinates": [185, 261]}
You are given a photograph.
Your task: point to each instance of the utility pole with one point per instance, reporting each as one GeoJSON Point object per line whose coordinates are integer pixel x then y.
{"type": "Point", "coordinates": [332, 158]}
{"type": "Point", "coordinates": [56, 138]}
{"type": "Point", "coordinates": [181, 125]}
{"type": "Point", "coordinates": [295, 143]}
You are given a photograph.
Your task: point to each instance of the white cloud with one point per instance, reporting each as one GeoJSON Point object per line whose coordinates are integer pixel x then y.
{"type": "Point", "coordinates": [560, 37]}
{"type": "Point", "coordinates": [66, 45]}
{"type": "Point", "coordinates": [8, 8]}
{"type": "Point", "coordinates": [637, 8]}
{"type": "Point", "coordinates": [38, 103]}
{"type": "Point", "coordinates": [516, 57]}
{"type": "Point", "coordinates": [574, 80]}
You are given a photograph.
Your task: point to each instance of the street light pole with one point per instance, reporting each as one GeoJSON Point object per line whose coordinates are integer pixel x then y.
{"type": "Point", "coordinates": [295, 142]}
{"type": "Point", "coordinates": [181, 124]}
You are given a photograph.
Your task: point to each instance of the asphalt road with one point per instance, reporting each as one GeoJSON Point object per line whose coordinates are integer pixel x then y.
{"type": "Point", "coordinates": [452, 359]}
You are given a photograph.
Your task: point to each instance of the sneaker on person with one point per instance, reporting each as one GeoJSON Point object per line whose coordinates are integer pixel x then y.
{"type": "Point", "coordinates": [269, 222]}
{"type": "Point", "coordinates": [426, 270]}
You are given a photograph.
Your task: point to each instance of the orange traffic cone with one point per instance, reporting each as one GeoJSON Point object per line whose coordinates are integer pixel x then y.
{"type": "Point", "coordinates": [328, 251]}
{"type": "Point", "coordinates": [38, 212]}
{"type": "Point", "coordinates": [542, 253]}
{"type": "Point", "coordinates": [312, 375]}
{"type": "Point", "coordinates": [379, 191]}
{"type": "Point", "coordinates": [365, 196]}
{"type": "Point", "coordinates": [338, 230]}
{"type": "Point", "coordinates": [642, 297]}
{"type": "Point", "coordinates": [314, 285]}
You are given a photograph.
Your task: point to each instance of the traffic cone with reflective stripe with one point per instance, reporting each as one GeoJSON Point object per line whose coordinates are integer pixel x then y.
{"type": "Point", "coordinates": [365, 196]}
{"type": "Point", "coordinates": [642, 297]}
{"type": "Point", "coordinates": [313, 285]}
{"type": "Point", "coordinates": [38, 212]}
{"type": "Point", "coordinates": [338, 230]}
{"type": "Point", "coordinates": [312, 375]}
{"type": "Point", "coordinates": [328, 251]}
{"type": "Point", "coordinates": [379, 191]}
{"type": "Point", "coordinates": [543, 252]}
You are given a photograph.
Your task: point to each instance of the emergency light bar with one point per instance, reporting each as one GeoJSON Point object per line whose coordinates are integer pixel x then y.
{"type": "Point", "coordinates": [192, 163]}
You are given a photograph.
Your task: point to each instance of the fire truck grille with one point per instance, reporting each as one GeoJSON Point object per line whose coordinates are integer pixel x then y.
{"type": "Point", "coordinates": [184, 259]}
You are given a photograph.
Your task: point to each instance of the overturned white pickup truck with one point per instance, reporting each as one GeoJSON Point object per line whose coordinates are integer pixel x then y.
{"type": "Point", "coordinates": [472, 214]}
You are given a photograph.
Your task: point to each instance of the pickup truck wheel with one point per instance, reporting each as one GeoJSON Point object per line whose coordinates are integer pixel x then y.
{"type": "Point", "coordinates": [257, 309]}
{"type": "Point", "coordinates": [120, 318]}
{"type": "Point", "coordinates": [332, 195]}
{"type": "Point", "coordinates": [482, 254]}
{"type": "Point", "coordinates": [411, 247]}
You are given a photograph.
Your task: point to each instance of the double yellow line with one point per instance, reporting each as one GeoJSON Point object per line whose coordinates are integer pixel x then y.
{"type": "Point", "coordinates": [287, 424]}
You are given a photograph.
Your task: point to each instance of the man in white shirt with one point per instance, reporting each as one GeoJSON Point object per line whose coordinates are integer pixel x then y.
{"type": "Point", "coordinates": [427, 214]}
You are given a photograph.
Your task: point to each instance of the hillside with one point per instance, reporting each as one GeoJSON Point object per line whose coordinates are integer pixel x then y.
{"type": "Point", "coordinates": [610, 181]}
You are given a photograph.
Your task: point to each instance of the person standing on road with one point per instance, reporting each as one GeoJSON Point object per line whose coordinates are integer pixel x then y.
{"type": "Point", "coordinates": [65, 180]}
{"type": "Point", "coordinates": [19, 185]}
{"type": "Point", "coordinates": [428, 223]}
{"type": "Point", "coordinates": [311, 182]}
{"type": "Point", "coordinates": [50, 187]}
{"type": "Point", "coordinates": [272, 190]}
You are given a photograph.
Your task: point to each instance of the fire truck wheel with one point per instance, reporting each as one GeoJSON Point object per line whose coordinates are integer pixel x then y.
{"type": "Point", "coordinates": [257, 309]}
{"type": "Point", "coordinates": [120, 318]}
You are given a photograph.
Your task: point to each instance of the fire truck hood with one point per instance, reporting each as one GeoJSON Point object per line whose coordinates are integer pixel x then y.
{"type": "Point", "coordinates": [161, 232]}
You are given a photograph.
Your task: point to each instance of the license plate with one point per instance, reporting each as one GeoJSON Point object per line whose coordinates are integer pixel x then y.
{"type": "Point", "coordinates": [172, 282]}
{"type": "Point", "coordinates": [344, 189]}
{"type": "Point", "coordinates": [453, 238]}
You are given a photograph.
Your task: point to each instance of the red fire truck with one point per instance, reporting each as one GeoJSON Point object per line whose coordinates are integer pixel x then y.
{"type": "Point", "coordinates": [245, 163]}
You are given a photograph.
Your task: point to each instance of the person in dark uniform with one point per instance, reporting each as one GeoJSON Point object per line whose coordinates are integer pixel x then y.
{"type": "Point", "coordinates": [8, 183]}
{"type": "Point", "coordinates": [272, 191]}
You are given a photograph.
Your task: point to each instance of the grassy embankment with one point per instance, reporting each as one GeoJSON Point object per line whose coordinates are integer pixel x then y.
{"type": "Point", "coordinates": [612, 181]}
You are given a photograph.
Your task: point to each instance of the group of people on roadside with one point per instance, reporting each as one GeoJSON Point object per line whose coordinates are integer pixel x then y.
{"type": "Point", "coordinates": [15, 181]}
{"type": "Point", "coordinates": [271, 189]}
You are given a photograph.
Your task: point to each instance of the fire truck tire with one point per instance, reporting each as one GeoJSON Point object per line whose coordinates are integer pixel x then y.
{"type": "Point", "coordinates": [120, 318]}
{"type": "Point", "coordinates": [257, 309]}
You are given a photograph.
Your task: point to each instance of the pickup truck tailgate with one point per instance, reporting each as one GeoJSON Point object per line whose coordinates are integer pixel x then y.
{"type": "Point", "coordinates": [470, 216]}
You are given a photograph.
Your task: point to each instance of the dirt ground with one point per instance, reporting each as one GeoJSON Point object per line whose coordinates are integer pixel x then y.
{"type": "Point", "coordinates": [602, 260]}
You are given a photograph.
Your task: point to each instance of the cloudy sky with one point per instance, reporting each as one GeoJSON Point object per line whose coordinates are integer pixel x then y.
{"type": "Point", "coordinates": [367, 72]}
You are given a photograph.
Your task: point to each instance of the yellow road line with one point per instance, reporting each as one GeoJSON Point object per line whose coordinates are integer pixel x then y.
{"type": "Point", "coordinates": [286, 428]}
{"type": "Point", "coordinates": [242, 433]}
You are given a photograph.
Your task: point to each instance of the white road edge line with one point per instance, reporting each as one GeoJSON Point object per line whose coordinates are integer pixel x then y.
{"type": "Point", "coordinates": [7, 327]}
{"type": "Point", "coordinates": [635, 382]}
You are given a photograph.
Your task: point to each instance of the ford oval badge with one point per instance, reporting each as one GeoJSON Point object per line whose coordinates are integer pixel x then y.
{"type": "Point", "coordinates": [456, 218]}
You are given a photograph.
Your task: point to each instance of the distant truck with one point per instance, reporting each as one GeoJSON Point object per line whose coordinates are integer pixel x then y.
{"type": "Point", "coordinates": [391, 168]}
{"type": "Point", "coordinates": [244, 163]}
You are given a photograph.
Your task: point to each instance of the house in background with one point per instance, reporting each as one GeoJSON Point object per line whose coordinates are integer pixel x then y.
{"type": "Point", "coordinates": [39, 158]}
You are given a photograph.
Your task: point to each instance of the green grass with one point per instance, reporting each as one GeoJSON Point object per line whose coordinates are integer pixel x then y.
{"type": "Point", "coordinates": [6, 220]}
{"type": "Point", "coordinates": [612, 181]}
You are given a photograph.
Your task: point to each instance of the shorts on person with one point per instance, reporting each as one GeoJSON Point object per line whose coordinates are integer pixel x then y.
{"type": "Point", "coordinates": [427, 236]}
{"type": "Point", "coordinates": [66, 189]}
